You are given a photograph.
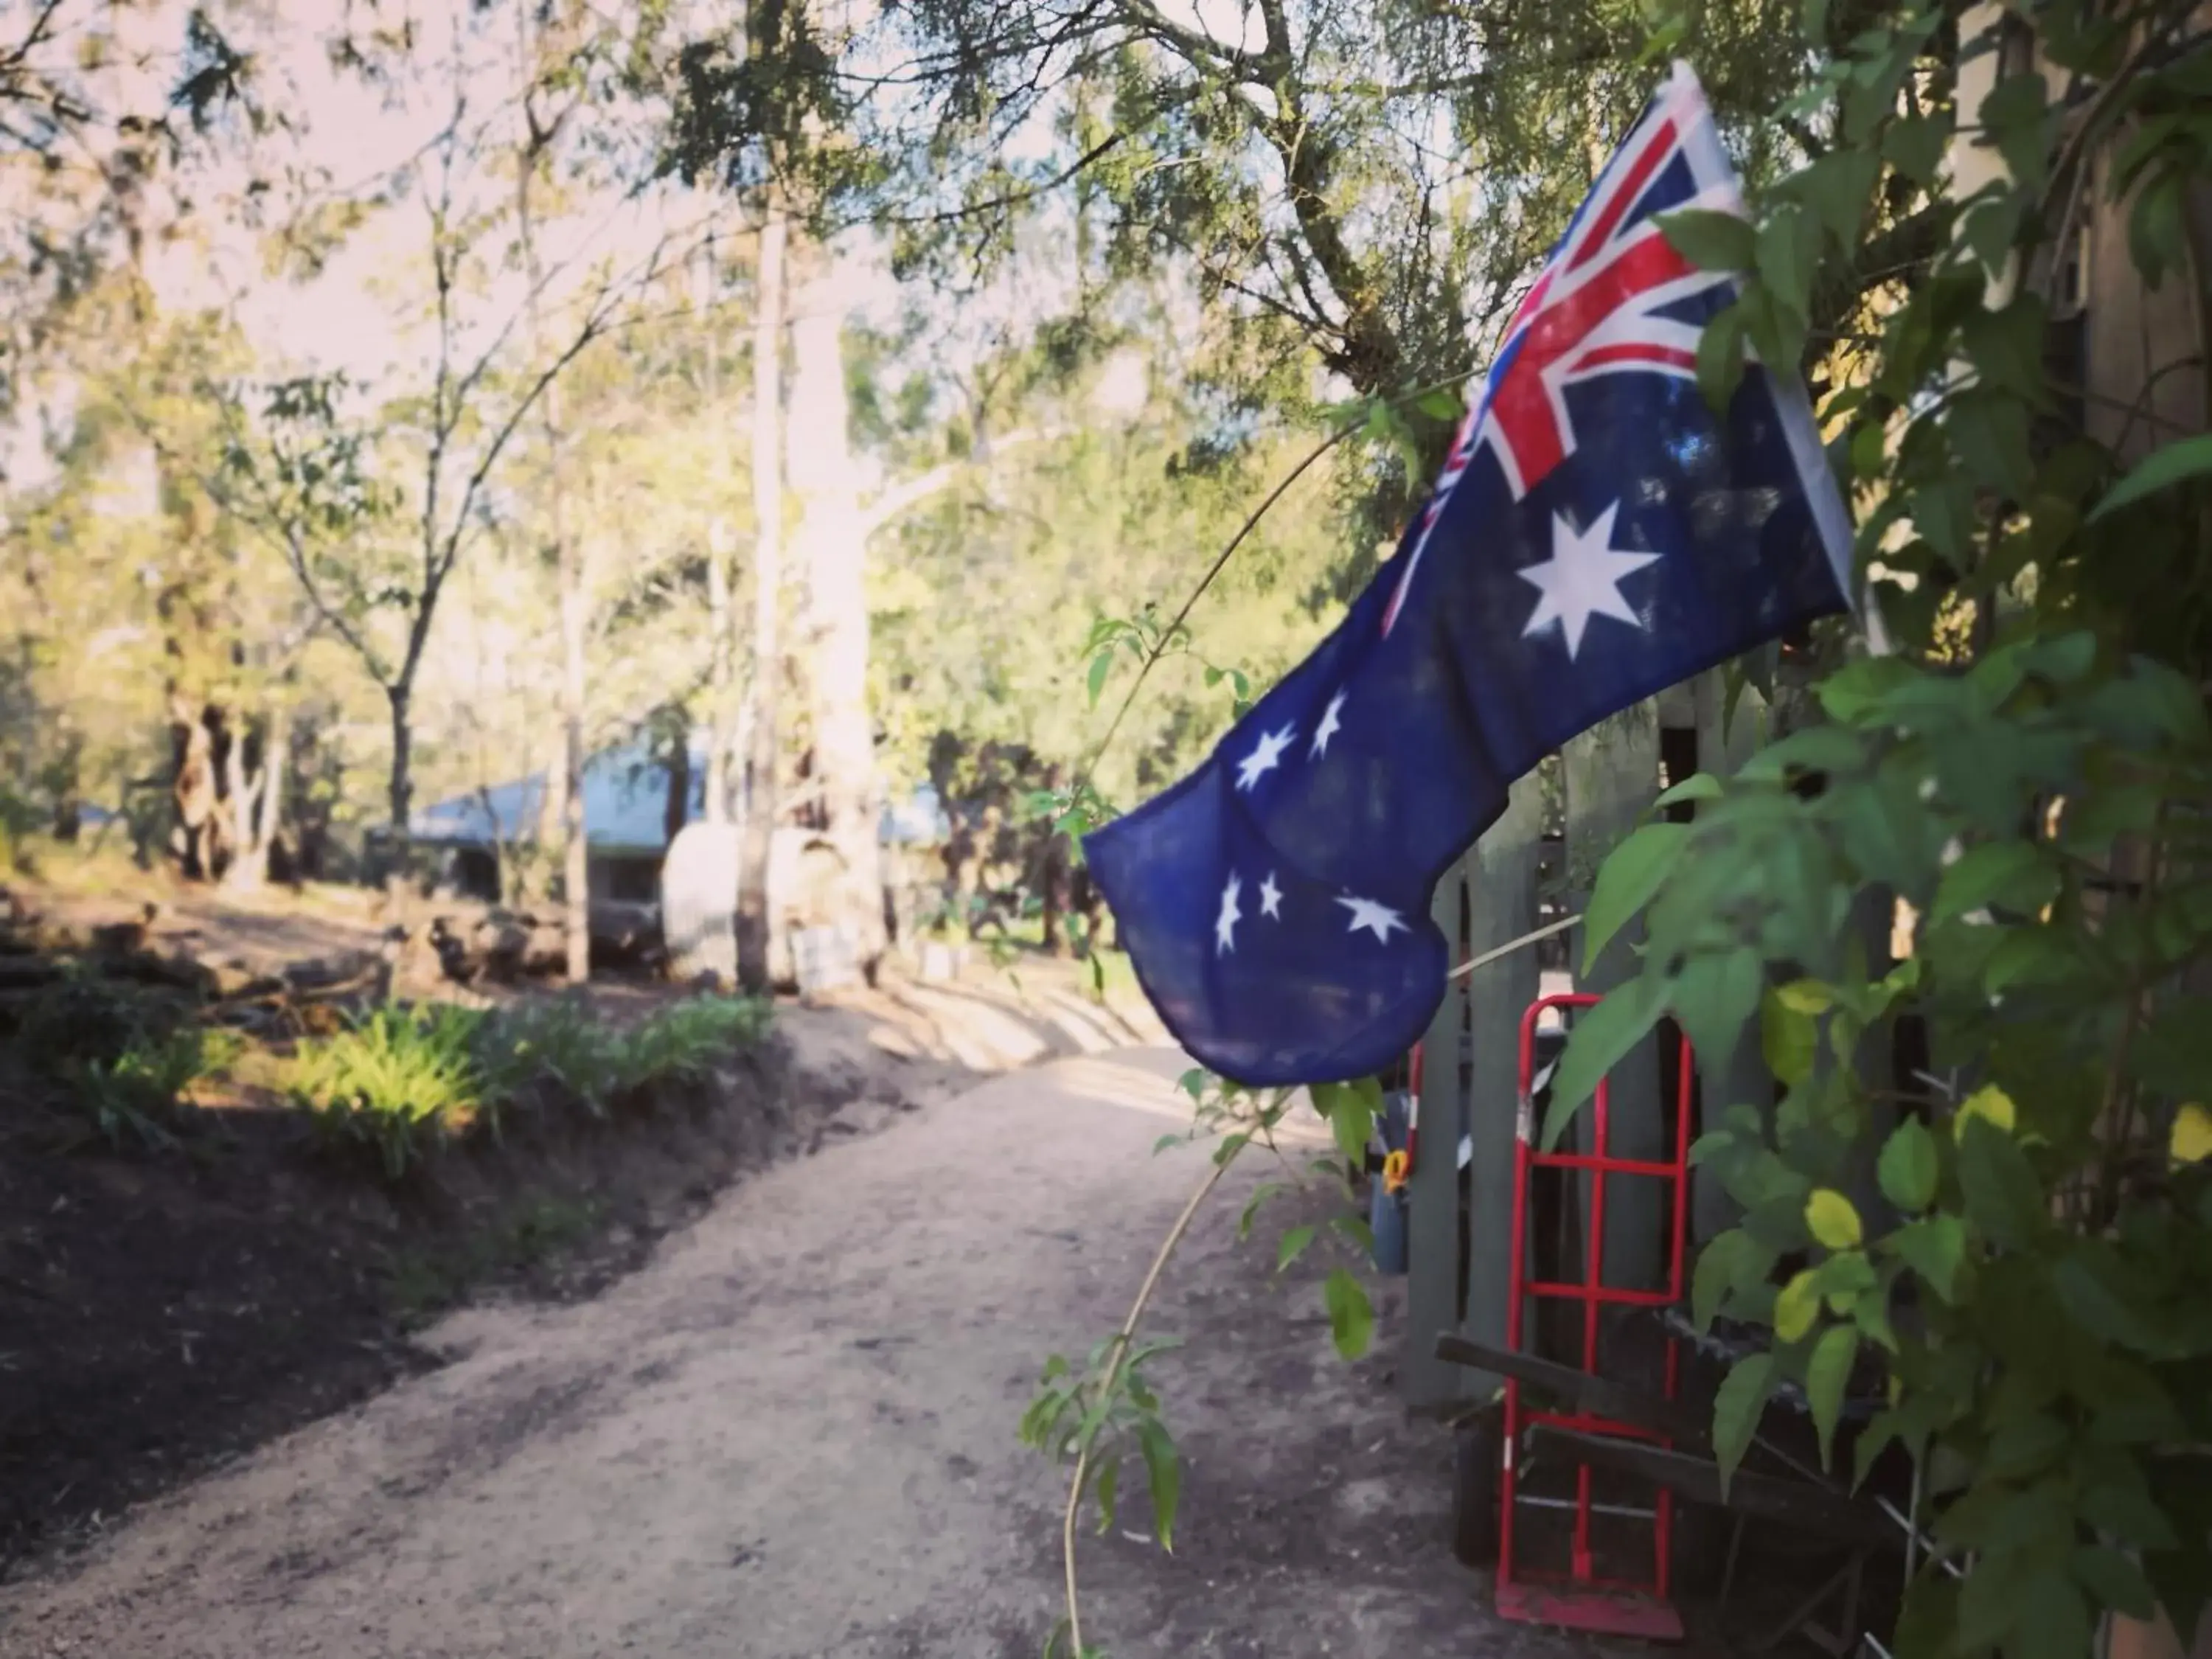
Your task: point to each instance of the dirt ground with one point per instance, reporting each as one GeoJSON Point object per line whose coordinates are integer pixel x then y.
{"type": "Point", "coordinates": [791, 1433]}
{"type": "Point", "coordinates": [162, 1315]}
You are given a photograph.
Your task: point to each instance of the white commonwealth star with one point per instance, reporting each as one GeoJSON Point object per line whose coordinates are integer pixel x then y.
{"type": "Point", "coordinates": [1329, 727]}
{"type": "Point", "coordinates": [1271, 897]}
{"type": "Point", "coordinates": [1376, 919]}
{"type": "Point", "coordinates": [1265, 758]}
{"type": "Point", "coordinates": [1581, 579]}
{"type": "Point", "coordinates": [1224, 925]}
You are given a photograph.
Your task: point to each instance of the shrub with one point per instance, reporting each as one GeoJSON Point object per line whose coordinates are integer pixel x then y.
{"type": "Point", "coordinates": [400, 1080]}
{"type": "Point", "coordinates": [142, 1093]}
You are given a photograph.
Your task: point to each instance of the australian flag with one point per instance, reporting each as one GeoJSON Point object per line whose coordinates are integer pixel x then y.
{"type": "Point", "coordinates": [1597, 536]}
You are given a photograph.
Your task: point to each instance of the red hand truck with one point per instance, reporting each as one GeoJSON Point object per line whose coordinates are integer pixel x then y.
{"type": "Point", "coordinates": [1581, 1599]}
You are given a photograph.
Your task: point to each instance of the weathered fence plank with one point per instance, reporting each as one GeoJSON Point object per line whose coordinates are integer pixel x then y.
{"type": "Point", "coordinates": [1433, 1227]}
{"type": "Point", "coordinates": [1612, 774]}
{"type": "Point", "coordinates": [1503, 869]}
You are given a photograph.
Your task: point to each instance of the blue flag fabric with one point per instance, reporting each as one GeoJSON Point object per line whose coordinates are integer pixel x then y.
{"type": "Point", "coordinates": [1597, 536]}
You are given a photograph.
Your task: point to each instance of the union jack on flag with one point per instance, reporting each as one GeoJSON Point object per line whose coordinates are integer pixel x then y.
{"type": "Point", "coordinates": [1598, 534]}
{"type": "Point", "coordinates": [1605, 302]}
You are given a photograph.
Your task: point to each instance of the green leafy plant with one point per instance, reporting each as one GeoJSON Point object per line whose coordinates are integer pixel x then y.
{"type": "Point", "coordinates": [686, 1041]}
{"type": "Point", "coordinates": [555, 1045]}
{"type": "Point", "coordinates": [142, 1096]}
{"type": "Point", "coordinates": [401, 1081]}
{"type": "Point", "coordinates": [2015, 1252]}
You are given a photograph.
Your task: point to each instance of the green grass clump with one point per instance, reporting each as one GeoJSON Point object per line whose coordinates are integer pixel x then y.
{"type": "Point", "coordinates": [555, 1046]}
{"type": "Point", "coordinates": [401, 1081]}
{"type": "Point", "coordinates": [405, 1081]}
{"type": "Point", "coordinates": [685, 1040]}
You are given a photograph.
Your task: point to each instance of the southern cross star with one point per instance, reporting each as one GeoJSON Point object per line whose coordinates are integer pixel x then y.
{"type": "Point", "coordinates": [1329, 727]}
{"type": "Point", "coordinates": [1376, 919]}
{"type": "Point", "coordinates": [1265, 758]}
{"type": "Point", "coordinates": [1224, 925]}
{"type": "Point", "coordinates": [1271, 897]}
{"type": "Point", "coordinates": [1581, 579]}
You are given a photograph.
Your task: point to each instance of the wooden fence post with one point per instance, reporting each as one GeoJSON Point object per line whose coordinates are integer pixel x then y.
{"type": "Point", "coordinates": [1502, 870]}
{"type": "Point", "coordinates": [1433, 1227]}
{"type": "Point", "coordinates": [1612, 776]}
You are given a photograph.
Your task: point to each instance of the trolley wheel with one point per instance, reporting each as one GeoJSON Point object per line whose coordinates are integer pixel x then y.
{"type": "Point", "coordinates": [1474, 1494]}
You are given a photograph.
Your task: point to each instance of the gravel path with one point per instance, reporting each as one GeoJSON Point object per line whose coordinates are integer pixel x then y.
{"type": "Point", "coordinates": [792, 1435]}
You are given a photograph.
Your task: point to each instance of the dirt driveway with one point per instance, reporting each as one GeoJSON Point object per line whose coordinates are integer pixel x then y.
{"type": "Point", "coordinates": [792, 1435]}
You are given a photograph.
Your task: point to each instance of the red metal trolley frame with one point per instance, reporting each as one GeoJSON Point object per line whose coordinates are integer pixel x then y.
{"type": "Point", "coordinates": [1580, 1599]}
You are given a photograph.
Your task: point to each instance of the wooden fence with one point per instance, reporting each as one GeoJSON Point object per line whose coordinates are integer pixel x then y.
{"type": "Point", "coordinates": [1460, 1232]}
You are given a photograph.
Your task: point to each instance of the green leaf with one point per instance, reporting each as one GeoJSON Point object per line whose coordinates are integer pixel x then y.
{"type": "Point", "coordinates": [1869, 450]}
{"type": "Point", "coordinates": [2051, 1621]}
{"type": "Point", "coordinates": [2004, 1198]}
{"type": "Point", "coordinates": [1293, 1246]}
{"type": "Point", "coordinates": [1909, 1167]}
{"type": "Point", "coordinates": [1108, 1486]}
{"type": "Point", "coordinates": [1713, 995]}
{"type": "Point", "coordinates": [1991, 1105]}
{"type": "Point", "coordinates": [1101, 666]}
{"type": "Point", "coordinates": [1443, 405]}
{"type": "Point", "coordinates": [2162, 469]}
{"type": "Point", "coordinates": [1936, 1248]}
{"type": "Point", "coordinates": [1828, 1372]}
{"type": "Point", "coordinates": [1730, 1260]}
{"type": "Point", "coordinates": [1261, 1194]}
{"type": "Point", "coordinates": [1351, 1316]}
{"type": "Point", "coordinates": [1720, 359]}
{"type": "Point", "coordinates": [1166, 1141]}
{"type": "Point", "coordinates": [1738, 1404]}
{"type": "Point", "coordinates": [1832, 1221]}
{"type": "Point", "coordinates": [1789, 247]}
{"type": "Point", "coordinates": [1350, 1110]}
{"type": "Point", "coordinates": [1698, 785]}
{"type": "Point", "coordinates": [2013, 874]}
{"type": "Point", "coordinates": [1712, 241]}
{"type": "Point", "coordinates": [1600, 1039]}
{"type": "Point", "coordinates": [2116, 1582]}
{"type": "Point", "coordinates": [1164, 1473]}
{"type": "Point", "coordinates": [1789, 1032]}
{"type": "Point", "coordinates": [1798, 1306]}
{"type": "Point", "coordinates": [2191, 1139]}
{"type": "Point", "coordinates": [1627, 880]}
{"type": "Point", "coordinates": [1915, 146]}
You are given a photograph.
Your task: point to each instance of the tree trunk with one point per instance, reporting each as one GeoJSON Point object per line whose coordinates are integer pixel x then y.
{"type": "Point", "coordinates": [828, 549]}
{"type": "Point", "coordinates": [248, 868]}
{"type": "Point", "coordinates": [400, 697]}
{"type": "Point", "coordinates": [721, 677]}
{"type": "Point", "coordinates": [676, 809]}
{"type": "Point", "coordinates": [192, 788]}
{"type": "Point", "coordinates": [575, 849]}
{"type": "Point", "coordinates": [567, 550]}
{"type": "Point", "coordinates": [276, 760]}
{"type": "Point", "coordinates": [755, 912]}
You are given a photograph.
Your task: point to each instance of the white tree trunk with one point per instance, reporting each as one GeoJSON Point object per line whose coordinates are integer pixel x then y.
{"type": "Point", "coordinates": [829, 548]}
{"type": "Point", "coordinates": [756, 912]}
